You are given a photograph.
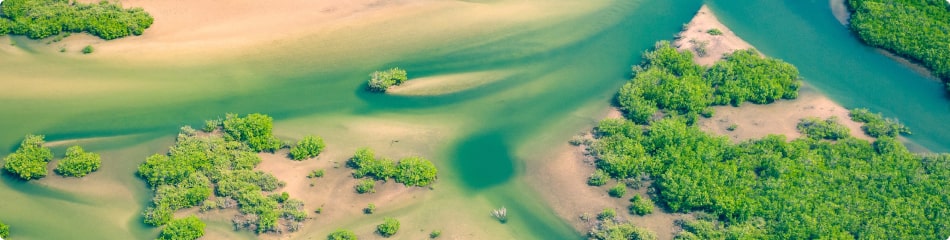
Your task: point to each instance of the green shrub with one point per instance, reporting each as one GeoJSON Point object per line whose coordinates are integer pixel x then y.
{"type": "Point", "coordinates": [380, 81]}
{"type": "Point", "coordinates": [370, 209]}
{"type": "Point", "coordinates": [342, 235]}
{"type": "Point", "coordinates": [598, 178]}
{"type": "Point", "coordinates": [4, 230]}
{"type": "Point", "coordinates": [435, 234]}
{"type": "Point", "coordinates": [746, 76]}
{"type": "Point", "coordinates": [732, 127]}
{"type": "Point", "coordinates": [714, 32]}
{"type": "Point", "coordinates": [607, 214]}
{"type": "Point", "coordinates": [188, 228]}
{"type": "Point", "coordinates": [308, 147]}
{"type": "Point", "coordinates": [39, 19]}
{"type": "Point", "coordinates": [618, 191]}
{"type": "Point", "coordinates": [78, 163]}
{"type": "Point", "coordinates": [640, 206]}
{"type": "Point", "coordinates": [415, 171]}
{"type": "Point", "coordinates": [88, 49]}
{"type": "Point", "coordinates": [828, 129]}
{"type": "Point", "coordinates": [316, 173]}
{"type": "Point", "coordinates": [28, 162]}
{"type": "Point", "coordinates": [388, 228]}
{"type": "Point", "coordinates": [613, 230]}
{"type": "Point", "coordinates": [366, 186]}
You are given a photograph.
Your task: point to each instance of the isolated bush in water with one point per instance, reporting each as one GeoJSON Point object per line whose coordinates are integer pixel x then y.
{"type": "Point", "coordinates": [78, 163]}
{"type": "Point", "coordinates": [381, 80]}
{"type": "Point", "coordinates": [29, 160]}
{"type": "Point", "coordinates": [308, 147]}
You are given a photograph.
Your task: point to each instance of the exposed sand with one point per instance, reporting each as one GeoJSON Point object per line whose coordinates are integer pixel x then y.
{"type": "Point", "coordinates": [696, 32]}
{"type": "Point", "coordinates": [446, 84]}
{"type": "Point", "coordinates": [782, 117]}
{"type": "Point", "coordinates": [840, 10]}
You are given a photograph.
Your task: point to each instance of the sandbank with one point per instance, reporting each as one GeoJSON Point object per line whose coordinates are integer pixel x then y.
{"type": "Point", "coordinates": [446, 84]}
{"type": "Point", "coordinates": [696, 32]}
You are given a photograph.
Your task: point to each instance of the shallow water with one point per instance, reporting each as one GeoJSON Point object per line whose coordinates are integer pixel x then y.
{"type": "Point", "coordinates": [563, 72]}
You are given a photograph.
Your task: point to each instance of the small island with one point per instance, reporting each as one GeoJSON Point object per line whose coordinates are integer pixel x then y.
{"type": "Point", "coordinates": [380, 81]}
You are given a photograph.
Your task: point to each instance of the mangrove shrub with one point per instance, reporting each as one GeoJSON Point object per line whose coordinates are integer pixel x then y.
{"type": "Point", "coordinates": [39, 19]}
{"type": "Point", "coordinates": [78, 162]}
{"type": "Point", "coordinates": [28, 162]}
{"type": "Point", "coordinates": [188, 228]}
{"type": "Point", "coordinates": [308, 147]}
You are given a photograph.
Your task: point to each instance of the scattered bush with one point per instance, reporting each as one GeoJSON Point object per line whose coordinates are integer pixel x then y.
{"type": "Point", "coordinates": [380, 81]}
{"type": "Point", "coordinates": [828, 129]}
{"type": "Point", "coordinates": [366, 186]}
{"type": "Point", "coordinates": [598, 178]}
{"type": "Point", "coordinates": [618, 191]}
{"type": "Point", "coordinates": [88, 49]}
{"type": "Point", "coordinates": [316, 173]}
{"type": "Point", "coordinates": [640, 206]}
{"type": "Point", "coordinates": [613, 230]}
{"type": "Point", "coordinates": [607, 214]}
{"type": "Point", "coordinates": [435, 234]}
{"type": "Point", "coordinates": [39, 19]}
{"type": "Point", "coordinates": [28, 162]}
{"type": "Point", "coordinates": [732, 127]}
{"type": "Point", "coordinates": [308, 147]}
{"type": "Point", "coordinates": [78, 163]}
{"type": "Point", "coordinates": [410, 171]}
{"type": "Point", "coordinates": [714, 32]}
{"type": "Point", "coordinates": [342, 235]}
{"type": "Point", "coordinates": [370, 209]}
{"type": "Point", "coordinates": [388, 228]}
{"type": "Point", "coordinates": [188, 228]}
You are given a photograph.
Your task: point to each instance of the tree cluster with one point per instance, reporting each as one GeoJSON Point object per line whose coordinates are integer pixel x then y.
{"type": "Point", "coordinates": [915, 29]}
{"type": "Point", "coordinates": [39, 19]}
{"type": "Point", "coordinates": [829, 129]}
{"type": "Point", "coordinates": [670, 81]}
{"type": "Point", "coordinates": [212, 171]}
{"type": "Point", "coordinates": [876, 125]}
{"type": "Point", "coordinates": [410, 171]}
{"type": "Point", "coordinates": [78, 162]}
{"type": "Point", "coordinates": [28, 162]}
{"type": "Point", "coordinates": [773, 188]}
{"type": "Point", "coordinates": [380, 81]}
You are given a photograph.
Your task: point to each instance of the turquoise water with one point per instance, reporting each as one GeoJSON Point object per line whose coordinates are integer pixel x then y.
{"type": "Point", "coordinates": [552, 80]}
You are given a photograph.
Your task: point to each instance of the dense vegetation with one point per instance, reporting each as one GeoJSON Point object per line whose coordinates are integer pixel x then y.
{"type": "Point", "coordinates": [38, 19]}
{"type": "Point", "coordinates": [388, 228]}
{"type": "Point", "coordinates": [4, 230]}
{"type": "Point", "coordinates": [916, 29]}
{"type": "Point", "coordinates": [828, 129]}
{"type": "Point", "coordinates": [342, 235]}
{"type": "Point", "coordinates": [380, 81]}
{"type": "Point", "coordinates": [410, 171]}
{"type": "Point", "coordinates": [308, 147]}
{"type": "Point", "coordinates": [217, 172]}
{"type": "Point", "coordinates": [28, 162]}
{"type": "Point", "coordinates": [188, 228]}
{"type": "Point", "coordinates": [773, 188]}
{"type": "Point", "coordinates": [611, 229]}
{"type": "Point", "coordinates": [876, 125]}
{"type": "Point", "coordinates": [78, 162]}
{"type": "Point", "coordinates": [670, 81]}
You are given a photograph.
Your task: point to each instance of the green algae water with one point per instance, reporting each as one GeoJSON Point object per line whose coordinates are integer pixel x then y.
{"type": "Point", "coordinates": [555, 70]}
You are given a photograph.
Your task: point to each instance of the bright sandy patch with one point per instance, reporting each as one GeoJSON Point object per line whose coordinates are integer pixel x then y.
{"type": "Point", "coordinates": [781, 117]}
{"type": "Point", "coordinates": [446, 84]}
{"type": "Point", "coordinates": [717, 45]}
